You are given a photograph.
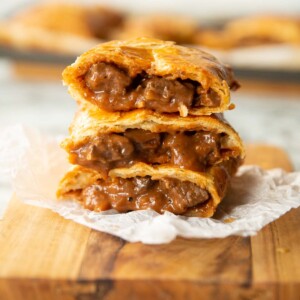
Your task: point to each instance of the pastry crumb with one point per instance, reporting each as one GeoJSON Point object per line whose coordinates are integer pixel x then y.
{"type": "Point", "coordinates": [229, 220]}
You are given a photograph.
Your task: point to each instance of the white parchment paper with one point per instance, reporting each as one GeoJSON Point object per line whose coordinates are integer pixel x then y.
{"type": "Point", "coordinates": [35, 164]}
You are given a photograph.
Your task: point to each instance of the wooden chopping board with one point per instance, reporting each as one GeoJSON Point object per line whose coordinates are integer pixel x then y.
{"type": "Point", "coordinates": [43, 256]}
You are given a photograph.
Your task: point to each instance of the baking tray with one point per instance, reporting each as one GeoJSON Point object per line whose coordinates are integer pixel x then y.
{"type": "Point", "coordinates": [280, 72]}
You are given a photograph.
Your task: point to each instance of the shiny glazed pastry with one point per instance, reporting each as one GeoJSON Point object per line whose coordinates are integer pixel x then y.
{"type": "Point", "coordinates": [163, 155]}
{"type": "Point", "coordinates": [150, 74]}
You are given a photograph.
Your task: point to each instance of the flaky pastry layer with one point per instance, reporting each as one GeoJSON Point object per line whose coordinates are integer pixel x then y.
{"type": "Point", "coordinates": [155, 58]}
{"type": "Point", "coordinates": [90, 122]}
{"type": "Point", "coordinates": [215, 182]}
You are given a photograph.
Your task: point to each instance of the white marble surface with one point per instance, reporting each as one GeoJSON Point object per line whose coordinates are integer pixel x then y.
{"type": "Point", "coordinates": [258, 118]}
{"type": "Point", "coordinates": [275, 121]}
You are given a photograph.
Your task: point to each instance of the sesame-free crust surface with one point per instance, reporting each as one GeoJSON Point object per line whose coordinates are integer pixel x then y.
{"type": "Point", "coordinates": [158, 58]}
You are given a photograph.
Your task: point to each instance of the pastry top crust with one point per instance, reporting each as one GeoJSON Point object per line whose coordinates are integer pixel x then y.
{"type": "Point", "coordinates": [77, 19]}
{"type": "Point", "coordinates": [90, 122]}
{"type": "Point", "coordinates": [155, 57]}
{"type": "Point", "coordinates": [40, 27]}
{"type": "Point", "coordinates": [31, 38]}
{"type": "Point", "coordinates": [215, 182]}
{"type": "Point", "coordinates": [275, 28]}
{"type": "Point", "coordinates": [166, 27]}
{"type": "Point", "coordinates": [252, 31]}
{"type": "Point", "coordinates": [49, 17]}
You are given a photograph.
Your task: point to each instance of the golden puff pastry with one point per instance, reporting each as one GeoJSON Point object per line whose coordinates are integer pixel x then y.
{"type": "Point", "coordinates": [150, 74]}
{"type": "Point", "coordinates": [111, 140]}
{"type": "Point", "coordinates": [160, 188]}
{"type": "Point", "coordinates": [257, 30]}
{"type": "Point", "coordinates": [165, 27]}
{"type": "Point", "coordinates": [27, 38]}
{"type": "Point", "coordinates": [252, 31]}
{"type": "Point", "coordinates": [60, 27]}
{"type": "Point", "coordinates": [131, 148]}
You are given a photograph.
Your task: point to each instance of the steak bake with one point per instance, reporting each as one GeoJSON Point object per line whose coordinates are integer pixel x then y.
{"type": "Point", "coordinates": [149, 132]}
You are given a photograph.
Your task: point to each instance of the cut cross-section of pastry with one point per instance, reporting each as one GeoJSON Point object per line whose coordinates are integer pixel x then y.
{"type": "Point", "coordinates": [119, 140]}
{"type": "Point", "coordinates": [140, 187]}
{"type": "Point", "coordinates": [151, 74]}
{"type": "Point", "coordinates": [150, 133]}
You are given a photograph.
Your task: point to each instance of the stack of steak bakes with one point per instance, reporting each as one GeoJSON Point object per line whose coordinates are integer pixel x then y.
{"type": "Point", "coordinates": [149, 132]}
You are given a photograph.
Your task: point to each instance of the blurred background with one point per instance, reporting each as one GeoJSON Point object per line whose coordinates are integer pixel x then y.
{"type": "Point", "coordinates": [259, 39]}
{"type": "Point", "coordinates": [206, 10]}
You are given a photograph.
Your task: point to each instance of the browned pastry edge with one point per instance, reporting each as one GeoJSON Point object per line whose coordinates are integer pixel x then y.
{"type": "Point", "coordinates": [216, 182]}
{"type": "Point", "coordinates": [90, 122]}
{"type": "Point", "coordinates": [158, 58]}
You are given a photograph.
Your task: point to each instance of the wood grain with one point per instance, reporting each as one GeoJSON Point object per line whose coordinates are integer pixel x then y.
{"type": "Point", "coordinates": [37, 243]}
{"type": "Point", "coordinates": [43, 256]}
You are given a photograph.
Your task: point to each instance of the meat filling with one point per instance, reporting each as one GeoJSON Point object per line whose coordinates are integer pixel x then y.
{"type": "Point", "coordinates": [136, 193]}
{"type": "Point", "coordinates": [114, 90]}
{"type": "Point", "coordinates": [192, 150]}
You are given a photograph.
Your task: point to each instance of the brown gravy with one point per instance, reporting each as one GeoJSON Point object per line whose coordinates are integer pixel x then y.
{"type": "Point", "coordinates": [192, 150]}
{"type": "Point", "coordinates": [114, 90]}
{"type": "Point", "coordinates": [167, 194]}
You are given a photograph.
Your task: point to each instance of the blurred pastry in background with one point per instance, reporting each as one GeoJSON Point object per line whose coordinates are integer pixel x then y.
{"type": "Point", "coordinates": [213, 39]}
{"type": "Point", "coordinates": [55, 32]}
{"type": "Point", "coordinates": [67, 28]}
{"type": "Point", "coordinates": [252, 31]}
{"type": "Point", "coordinates": [86, 21]}
{"type": "Point", "coordinates": [180, 29]}
{"type": "Point", "coordinates": [60, 27]}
